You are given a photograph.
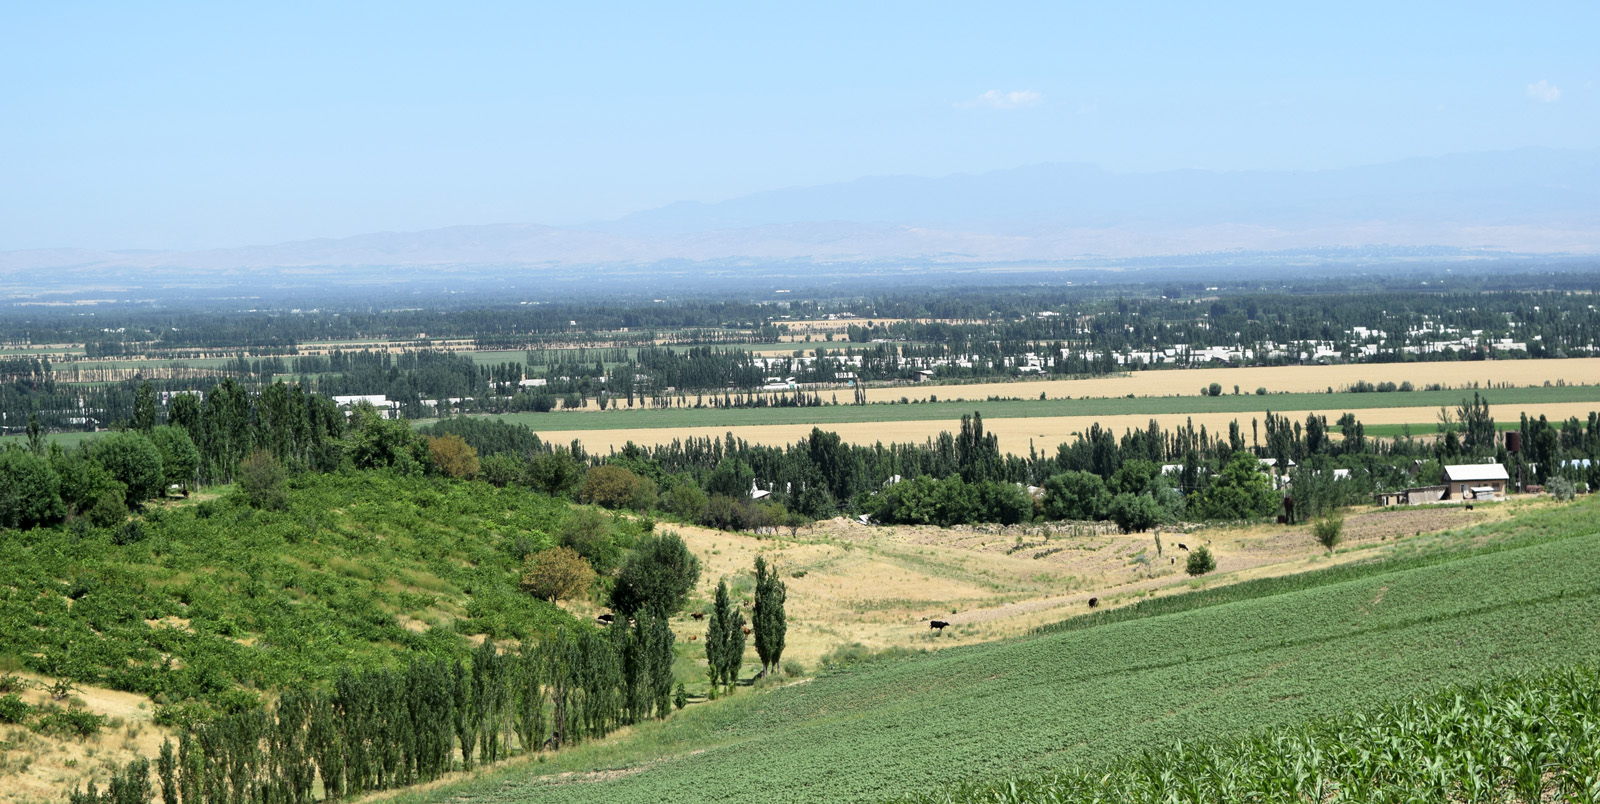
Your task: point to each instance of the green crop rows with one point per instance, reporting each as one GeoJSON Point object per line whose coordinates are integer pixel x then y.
{"type": "Point", "coordinates": [1095, 695]}
{"type": "Point", "coordinates": [1520, 739]}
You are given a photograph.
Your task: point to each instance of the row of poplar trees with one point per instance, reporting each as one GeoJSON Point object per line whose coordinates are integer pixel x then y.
{"type": "Point", "coordinates": [726, 631]}
{"type": "Point", "coordinates": [384, 729]}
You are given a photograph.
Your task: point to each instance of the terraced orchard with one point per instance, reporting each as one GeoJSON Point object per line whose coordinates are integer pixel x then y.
{"type": "Point", "coordinates": [1085, 697]}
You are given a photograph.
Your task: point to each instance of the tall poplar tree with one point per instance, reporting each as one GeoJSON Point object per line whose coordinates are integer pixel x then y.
{"type": "Point", "coordinates": [724, 640]}
{"type": "Point", "coordinates": [717, 635]}
{"type": "Point", "coordinates": [767, 619]}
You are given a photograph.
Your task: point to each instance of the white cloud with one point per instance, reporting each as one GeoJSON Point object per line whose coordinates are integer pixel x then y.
{"type": "Point", "coordinates": [995, 99]}
{"type": "Point", "coordinates": [1544, 92]}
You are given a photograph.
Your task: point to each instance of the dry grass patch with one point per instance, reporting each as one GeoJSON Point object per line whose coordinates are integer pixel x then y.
{"type": "Point", "coordinates": [40, 768]}
{"type": "Point", "coordinates": [879, 586]}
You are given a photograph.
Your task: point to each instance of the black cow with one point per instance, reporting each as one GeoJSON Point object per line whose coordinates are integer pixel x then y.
{"type": "Point", "coordinates": [699, 615]}
{"type": "Point", "coordinates": [938, 625]}
{"type": "Point", "coordinates": [606, 618]}
{"type": "Point", "coordinates": [1182, 546]}
{"type": "Point", "coordinates": [1093, 602]}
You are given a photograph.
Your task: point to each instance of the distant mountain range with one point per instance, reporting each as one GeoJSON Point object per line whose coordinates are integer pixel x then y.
{"type": "Point", "coordinates": [1529, 201]}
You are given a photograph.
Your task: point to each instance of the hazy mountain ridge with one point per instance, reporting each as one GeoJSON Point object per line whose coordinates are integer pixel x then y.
{"type": "Point", "coordinates": [1530, 200]}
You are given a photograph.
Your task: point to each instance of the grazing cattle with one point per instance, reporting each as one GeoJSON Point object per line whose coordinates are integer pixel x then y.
{"type": "Point", "coordinates": [1469, 506]}
{"type": "Point", "coordinates": [1172, 561]}
{"type": "Point", "coordinates": [1094, 601]}
{"type": "Point", "coordinates": [699, 615]}
{"type": "Point", "coordinates": [938, 625]}
{"type": "Point", "coordinates": [1182, 546]}
{"type": "Point", "coordinates": [747, 631]}
{"type": "Point", "coordinates": [693, 637]}
{"type": "Point", "coordinates": [606, 618]}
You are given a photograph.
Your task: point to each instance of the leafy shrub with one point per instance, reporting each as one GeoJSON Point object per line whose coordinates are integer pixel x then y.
{"type": "Point", "coordinates": [612, 486]}
{"type": "Point", "coordinates": [183, 715]}
{"type": "Point", "coordinates": [108, 510]}
{"type": "Point", "coordinates": [262, 479]}
{"type": "Point", "coordinates": [557, 473]}
{"type": "Point", "coordinates": [1328, 531]}
{"type": "Point", "coordinates": [855, 654]}
{"type": "Point", "coordinates": [14, 710]}
{"type": "Point", "coordinates": [453, 457]}
{"type": "Point", "coordinates": [500, 470]}
{"type": "Point", "coordinates": [685, 500]}
{"type": "Point", "coordinates": [1560, 488]}
{"type": "Point", "coordinates": [525, 544]}
{"type": "Point", "coordinates": [131, 532]}
{"type": "Point", "coordinates": [1200, 561]}
{"type": "Point", "coordinates": [556, 574]}
{"type": "Point", "coordinates": [589, 533]}
{"type": "Point", "coordinates": [378, 443]}
{"type": "Point", "coordinates": [69, 722]}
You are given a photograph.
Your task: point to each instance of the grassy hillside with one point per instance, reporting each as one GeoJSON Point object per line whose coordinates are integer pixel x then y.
{"type": "Point", "coordinates": [360, 568]}
{"type": "Point", "coordinates": [1096, 694]}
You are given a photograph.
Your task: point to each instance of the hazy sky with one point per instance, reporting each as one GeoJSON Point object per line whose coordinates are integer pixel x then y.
{"type": "Point", "coordinates": [151, 125]}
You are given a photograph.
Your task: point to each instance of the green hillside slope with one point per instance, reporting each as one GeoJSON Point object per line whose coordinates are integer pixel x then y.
{"type": "Point", "coordinates": [1000, 710]}
{"type": "Point", "coordinates": [360, 569]}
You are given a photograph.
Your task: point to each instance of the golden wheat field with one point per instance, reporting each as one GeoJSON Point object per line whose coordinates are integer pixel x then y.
{"type": "Point", "coordinates": [1276, 379]}
{"type": "Point", "coordinates": [1042, 433]}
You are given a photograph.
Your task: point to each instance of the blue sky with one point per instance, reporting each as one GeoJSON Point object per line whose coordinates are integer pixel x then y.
{"type": "Point", "coordinates": [217, 124]}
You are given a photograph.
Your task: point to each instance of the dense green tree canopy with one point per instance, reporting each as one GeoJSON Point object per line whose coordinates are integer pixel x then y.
{"type": "Point", "coordinates": [180, 460]}
{"type": "Point", "coordinates": [1075, 495]}
{"type": "Point", "coordinates": [1241, 491]}
{"type": "Point", "coordinates": [656, 576]}
{"type": "Point", "coordinates": [30, 492]}
{"type": "Point", "coordinates": [134, 461]}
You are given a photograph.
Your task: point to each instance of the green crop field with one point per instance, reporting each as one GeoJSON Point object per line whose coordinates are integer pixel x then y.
{"type": "Point", "coordinates": [1416, 429]}
{"type": "Point", "coordinates": [163, 362]}
{"type": "Point", "coordinates": [66, 440]}
{"type": "Point", "coordinates": [1030, 408]}
{"type": "Point", "coordinates": [1296, 654]}
{"type": "Point", "coordinates": [517, 356]}
{"type": "Point", "coordinates": [1526, 738]}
